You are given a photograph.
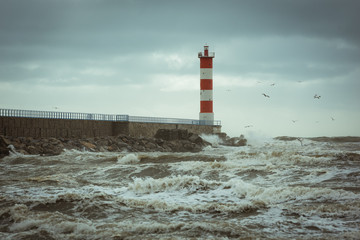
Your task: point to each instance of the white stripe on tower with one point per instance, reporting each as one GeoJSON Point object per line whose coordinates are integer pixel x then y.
{"type": "Point", "coordinates": [206, 95]}
{"type": "Point", "coordinates": [206, 73]}
{"type": "Point", "coordinates": [206, 115]}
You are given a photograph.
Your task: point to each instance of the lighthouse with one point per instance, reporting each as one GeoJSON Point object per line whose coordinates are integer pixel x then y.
{"type": "Point", "coordinates": [206, 115]}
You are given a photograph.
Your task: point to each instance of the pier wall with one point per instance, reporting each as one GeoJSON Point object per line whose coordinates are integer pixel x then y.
{"type": "Point", "coordinates": [137, 129]}
{"type": "Point", "coordinates": [73, 128]}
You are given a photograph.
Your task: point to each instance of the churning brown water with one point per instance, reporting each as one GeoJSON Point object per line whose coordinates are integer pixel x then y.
{"type": "Point", "coordinates": [269, 190]}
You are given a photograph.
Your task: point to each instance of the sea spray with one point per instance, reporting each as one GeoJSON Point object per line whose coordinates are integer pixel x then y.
{"type": "Point", "coordinates": [215, 140]}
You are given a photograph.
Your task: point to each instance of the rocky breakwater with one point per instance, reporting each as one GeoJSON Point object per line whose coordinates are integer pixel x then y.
{"type": "Point", "coordinates": [232, 141]}
{"type": "Point", "coordinates": [174, 140]}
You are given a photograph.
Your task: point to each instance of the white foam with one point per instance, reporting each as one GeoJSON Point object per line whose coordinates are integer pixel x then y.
{"type": "Point", "coordinates": [213, 139]}
{"type": "Point", "coordinates": [130, 158]}
{"type": "Point", "coordinates": [173, 183]}
{"type": "Point", "coordinates": [275, 194]}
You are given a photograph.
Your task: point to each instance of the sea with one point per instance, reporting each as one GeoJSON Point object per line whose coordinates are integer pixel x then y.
{"type": "Point", "coordinates": [269, 189]}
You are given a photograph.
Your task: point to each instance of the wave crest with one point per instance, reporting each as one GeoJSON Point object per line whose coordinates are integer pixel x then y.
{"type": "Point", "coordinates": [173, 183]}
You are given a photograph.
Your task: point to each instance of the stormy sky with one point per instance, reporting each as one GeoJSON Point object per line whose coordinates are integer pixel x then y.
{"type": "Point", "coordinates": [139, 57]}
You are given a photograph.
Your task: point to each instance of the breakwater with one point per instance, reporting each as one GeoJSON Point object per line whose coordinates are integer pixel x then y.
{"type": "Point", "coordinates": [21, 123]}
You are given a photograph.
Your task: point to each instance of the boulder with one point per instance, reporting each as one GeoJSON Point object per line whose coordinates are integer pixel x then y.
{"type": "Point", "coordinates": [88, 145]}
{"type": "Point", "coordinates": [195, 138]}
{"type": "Point", "coordinates": [234, 141]}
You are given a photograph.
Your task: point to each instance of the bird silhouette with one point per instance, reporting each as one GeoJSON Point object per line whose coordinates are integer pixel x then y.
{"type": "Point", "coordinates": [317, 96]}
{"type": "Point", "coordinates": [265, 95]}
{"type": "Point", "coordinates": [248, 126]}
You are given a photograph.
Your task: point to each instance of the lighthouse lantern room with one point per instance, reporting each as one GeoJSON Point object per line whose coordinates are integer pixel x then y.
{"type": "Point", "coordinates": [206, 115]}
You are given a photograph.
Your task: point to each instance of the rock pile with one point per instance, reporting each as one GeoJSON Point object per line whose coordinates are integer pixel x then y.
{"type": "Point", "coordinates": [175, 140]}
{"type": "Point", "coordinates": [232, 141]}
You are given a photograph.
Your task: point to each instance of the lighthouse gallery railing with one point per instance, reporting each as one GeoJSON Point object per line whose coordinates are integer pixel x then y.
{"type": "Point", "coordinates": [101, 117]}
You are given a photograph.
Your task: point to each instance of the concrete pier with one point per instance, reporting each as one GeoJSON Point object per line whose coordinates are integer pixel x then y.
{"type": "Point", "coordinates": [75, 128]}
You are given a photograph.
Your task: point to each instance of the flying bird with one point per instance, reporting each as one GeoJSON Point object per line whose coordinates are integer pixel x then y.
{"type": "Point", "coordinates": [294, 121]}
{"type": "Point", "coordinates": [248, 126]}
{"type": "Point", "coordinates": [265, 95]}
{"type": "Point", "coordinates": [273, 84]}
{"type": "Point", "coordinates": [317, 96]}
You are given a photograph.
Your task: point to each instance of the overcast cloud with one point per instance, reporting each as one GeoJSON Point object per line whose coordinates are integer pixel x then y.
{"type": "Point", "coordinates": [139, 57]}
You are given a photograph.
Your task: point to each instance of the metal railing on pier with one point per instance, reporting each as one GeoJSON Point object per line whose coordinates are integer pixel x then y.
{"type": "Point", "coordinates": [61, 115]}
{"type": "Point", "coordinates": [101, 117]}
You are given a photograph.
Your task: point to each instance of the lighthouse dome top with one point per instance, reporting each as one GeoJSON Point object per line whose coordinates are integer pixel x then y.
{"type": "Point", "coordinates": [206, 53]}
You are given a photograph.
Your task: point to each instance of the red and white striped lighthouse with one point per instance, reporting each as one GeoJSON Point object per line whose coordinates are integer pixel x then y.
{"type": "Point", "coordinates": [206, 86]}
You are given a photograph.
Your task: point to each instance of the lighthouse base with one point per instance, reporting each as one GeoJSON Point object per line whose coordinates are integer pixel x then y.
{"type": "Point", "coordinates": [206, 118]}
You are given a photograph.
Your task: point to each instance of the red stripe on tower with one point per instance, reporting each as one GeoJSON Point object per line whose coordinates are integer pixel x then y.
{"type": "Point", "coordinates": [206, 115]}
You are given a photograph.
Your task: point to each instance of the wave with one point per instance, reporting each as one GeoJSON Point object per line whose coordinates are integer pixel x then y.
{"type": "Point", "coordinates": [27, 223]}
{"type": "Point", "coordinates": [129, 159]}
{"type": "Point", "coordinates": [173, 183]}
{"type": "Point", "coordinates": [161, 205]}
{"type": "Point", "coordinates": [233, 195]}
{"type": "Point", "coordinates": [41, 225]}
{"type": "Point", "coordinates": [56, 178]}
{"type": "Point", "coordinates": [275, 195]}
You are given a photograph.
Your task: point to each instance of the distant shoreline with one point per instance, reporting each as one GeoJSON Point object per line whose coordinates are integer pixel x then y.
{"type": "Point", "coordinates": [321, 139]}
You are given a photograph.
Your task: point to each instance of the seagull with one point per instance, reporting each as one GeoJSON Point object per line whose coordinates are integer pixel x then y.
{"type": "Point", "coordinates": [266, 95]}
{"type": "Point", "coordinates": [317, 96]}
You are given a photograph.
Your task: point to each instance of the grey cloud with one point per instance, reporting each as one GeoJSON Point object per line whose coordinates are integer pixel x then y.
{"type": "Point", "coordinates": [292, 58]}
{"type": "Point", "coordinates": [84, 34]}
{"type": "Point", "coordinates": [211, 19]}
